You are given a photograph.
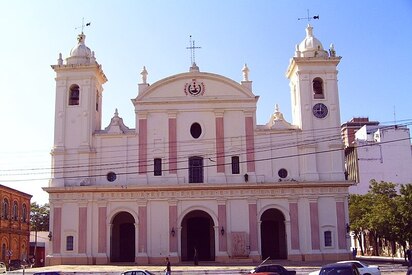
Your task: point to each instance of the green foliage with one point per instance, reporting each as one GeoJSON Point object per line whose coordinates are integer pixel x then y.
{"type": "Point", "coordinates": [383, 212]}
{"type": "Point", "coordinates": [39, 217]}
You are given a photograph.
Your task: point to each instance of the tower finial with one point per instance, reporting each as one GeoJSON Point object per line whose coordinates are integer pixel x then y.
{"type": "Point", "coordinates": [245, 72]}
{"type": "Point", "coordinates": [192, 49]}
{"type": "Point", "coordinates": [83, 25]}
{"type": "Point", "coordinates": [309, 17]}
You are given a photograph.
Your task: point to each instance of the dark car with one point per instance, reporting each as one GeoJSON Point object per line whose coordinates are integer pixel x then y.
{"type": "Point", "coordinates": [339, 269]}
{"type": "Point", "coordinates": [274, 268]}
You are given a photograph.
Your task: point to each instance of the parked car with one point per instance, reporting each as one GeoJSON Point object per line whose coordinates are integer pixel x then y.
{"type": "Point", "coordinates": [272, 268]}
{"type": "Point", "coordinates": [137, 272]}
{"type": "Point", "coordinates": [365, 269]}
{"type": "Point", "coordinates": [47, 273]}
{"type": "Point", "coordinates": [339, 269]}
{"type": "Point", "coordinates": [3, 268]}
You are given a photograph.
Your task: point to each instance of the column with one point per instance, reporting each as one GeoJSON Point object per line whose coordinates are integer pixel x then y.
{"type": "Point", "coordinates": [222, 224]}
{"type": "Point", "coordinates": [314, 225]}
{"type": "Point", "coordinates": [172, 144]}
{"type": "Point", "coordinates": [102, 229]}
{"type": "Point", "coordinates": [220, 143]}
{"type": "Point", "coordinates": [82, 240]}
{"type": "Point", "coordinates": [294, 225]}
{"type": "Point", "coordinates": [250, 143]}
{"type": "Point", "coordinates": [340, 216]}
{"type": "Point", "coordinates": [57, 228]}
{"type": "Point", "coordinates": [253, 227]}
{"type": "Point", "coordinates": [143, 145]}
{"type": "Point", "coordinates": [173, 237]}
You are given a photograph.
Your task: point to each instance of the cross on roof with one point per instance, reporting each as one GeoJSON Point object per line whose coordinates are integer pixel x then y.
{"type": "Point", "coordinates": [309, 17]}
{"type": "Point", "coordinates": [83, 25]}
{"type": "Point", "coordinates": [192, 49]}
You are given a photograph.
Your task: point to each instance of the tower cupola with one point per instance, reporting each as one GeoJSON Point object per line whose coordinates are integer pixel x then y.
{"type": "Point", "coordinates": [310, 46]}
{"type": "Point", "coordinates": [80, 54]}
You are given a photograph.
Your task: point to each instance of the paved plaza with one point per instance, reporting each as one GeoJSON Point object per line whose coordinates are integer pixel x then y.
{"type": "Point", "coordinates": [388, 266]}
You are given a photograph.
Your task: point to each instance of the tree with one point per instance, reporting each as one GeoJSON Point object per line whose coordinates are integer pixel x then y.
{"type": "Point", "coordinates": [39, 217]}
{"type": "Point", "coordinates": [405, 215]}
{"type": "Point", "coordinates": [383, 214]}
{"type": "Point", "coordinates": [359, 206]}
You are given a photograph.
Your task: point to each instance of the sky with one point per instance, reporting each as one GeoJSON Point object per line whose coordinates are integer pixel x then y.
{"type": "Point", "coordinates": [373, 37]}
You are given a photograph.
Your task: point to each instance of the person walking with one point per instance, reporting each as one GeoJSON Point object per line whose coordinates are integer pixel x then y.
{"type": "Point", "coordinates": [168, 269]}
{"type": "Point", "coordinates": [195, 259]}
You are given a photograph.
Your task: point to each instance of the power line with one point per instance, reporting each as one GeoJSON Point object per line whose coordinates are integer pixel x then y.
{"type": "Point", "coordinates": [214, 165]}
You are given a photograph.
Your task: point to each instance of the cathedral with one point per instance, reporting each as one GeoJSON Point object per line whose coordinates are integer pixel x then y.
{"type": "Point", "coordinates": [196, 175]}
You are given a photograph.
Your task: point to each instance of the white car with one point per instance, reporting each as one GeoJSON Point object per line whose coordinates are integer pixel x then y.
{"type": "Point", "coordinates": [365, 269]}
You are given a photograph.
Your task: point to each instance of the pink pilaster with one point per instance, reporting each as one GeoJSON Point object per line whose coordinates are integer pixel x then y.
{"type": "Point", "coordinates": [82, 229]}
{"type": "Point", "coordinates": [253, 239]}
{"type": "Point", "coordinates": [294, 225]}
{"type": "Point", "coordinates": [340, 215]}
{"type": "Point", "coordinates": [220, 145]}
{"type": "Point", "coordinates": [250, 144]}
{"type": "Point", "coordinates": [172, 146]}
{"type": "Point", "coordinates": [57, 229]}
{"type": "Point", "coordinates": [314, 225]}
{"type": "Point", "coordinates": [143, 146]}
{"type": "Point", "coordinates": [222, 223]}
{"type": "Point", "coordinates": [102, 235]}
{"type": "Point", "coordinates": [143, 228]}
{"type": "Point", "coordinates": [173, 225]}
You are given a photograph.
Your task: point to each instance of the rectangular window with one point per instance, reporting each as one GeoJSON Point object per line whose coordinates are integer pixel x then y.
{"type": "Point", "coordinates": [235, 165]}
{"type": "Point", "coordinates": [328, 238]}
{"type": "Point", "coordinates": [195, 170]}
{"type": "Point", "coordinates": [157, 167]}
{"type": "Point", "coordinates": [69, 243]}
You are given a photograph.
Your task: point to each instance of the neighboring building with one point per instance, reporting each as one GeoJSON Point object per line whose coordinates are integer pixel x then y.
{"type": "Point", "coordinates": [196, 171]}
{"type": "Point", "coordinates": [14, 225]}
{"type": "Point", "coordinates": [348, 129]}
{"type": "Point", "coordinates": [378, 152]}
{"type": "Point", "coordinates": [39, 247]}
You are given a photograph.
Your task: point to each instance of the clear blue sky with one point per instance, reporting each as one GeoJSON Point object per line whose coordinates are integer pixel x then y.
{"type": "Point", "coordinates": [374, 39]}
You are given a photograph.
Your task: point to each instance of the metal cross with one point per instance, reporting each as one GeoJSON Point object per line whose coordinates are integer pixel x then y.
{"type": "Point", "coordinates": [83, 25]}
{"type": "Point", "coordinates": [192, 48]}
{"type": "Point", "coordinates": [309, 17]}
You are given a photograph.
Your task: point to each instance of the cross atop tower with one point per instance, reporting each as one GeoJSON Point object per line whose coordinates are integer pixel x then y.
{"type": "Point", "coordinates": [192, 49]}
{"type": "Point", "coordinates": [309, 17]}
{"type": "Point", "coordinates": [83, 25]}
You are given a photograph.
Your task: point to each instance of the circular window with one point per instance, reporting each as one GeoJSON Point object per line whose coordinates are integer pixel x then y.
{"type": "Point", "coordinates": [283, 173]}
{"type": "Point", "coordinates": [111, 176]}
{"type": "Point", "coordinates": [195, 130]}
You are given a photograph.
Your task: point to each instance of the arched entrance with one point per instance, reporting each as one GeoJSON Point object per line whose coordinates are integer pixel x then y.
{"type": "Point", "coordinates": [273, 234]}
{"type": "Point", "coordinates": [122, 242]}
{"type": "Point", "coordinates": [198, 232]}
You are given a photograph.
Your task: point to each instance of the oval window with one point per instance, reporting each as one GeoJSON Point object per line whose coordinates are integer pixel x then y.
{"type": "Point", "coordinates": [195, 130]}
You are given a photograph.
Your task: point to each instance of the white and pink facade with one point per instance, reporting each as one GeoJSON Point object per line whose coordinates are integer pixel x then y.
{"type": "Point", "coordinates": [196, 171]}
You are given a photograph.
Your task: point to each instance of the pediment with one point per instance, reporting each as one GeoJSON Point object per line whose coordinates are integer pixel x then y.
{"type": "Point", "coordinates": [195, 86]}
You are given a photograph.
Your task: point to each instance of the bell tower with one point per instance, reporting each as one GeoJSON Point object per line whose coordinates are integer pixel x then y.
{"type": "Point", "coordinates": [312, 73]}
{"type": "Point", "coordinates": [78, 112]}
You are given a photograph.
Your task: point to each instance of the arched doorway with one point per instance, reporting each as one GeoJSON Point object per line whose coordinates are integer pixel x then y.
{"type": "Point", "coordinates": [273, 234]}
{"type": "Point", "coordinates": [198, 232]}
{"type": "Point", "coordinates": [122, 241]}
